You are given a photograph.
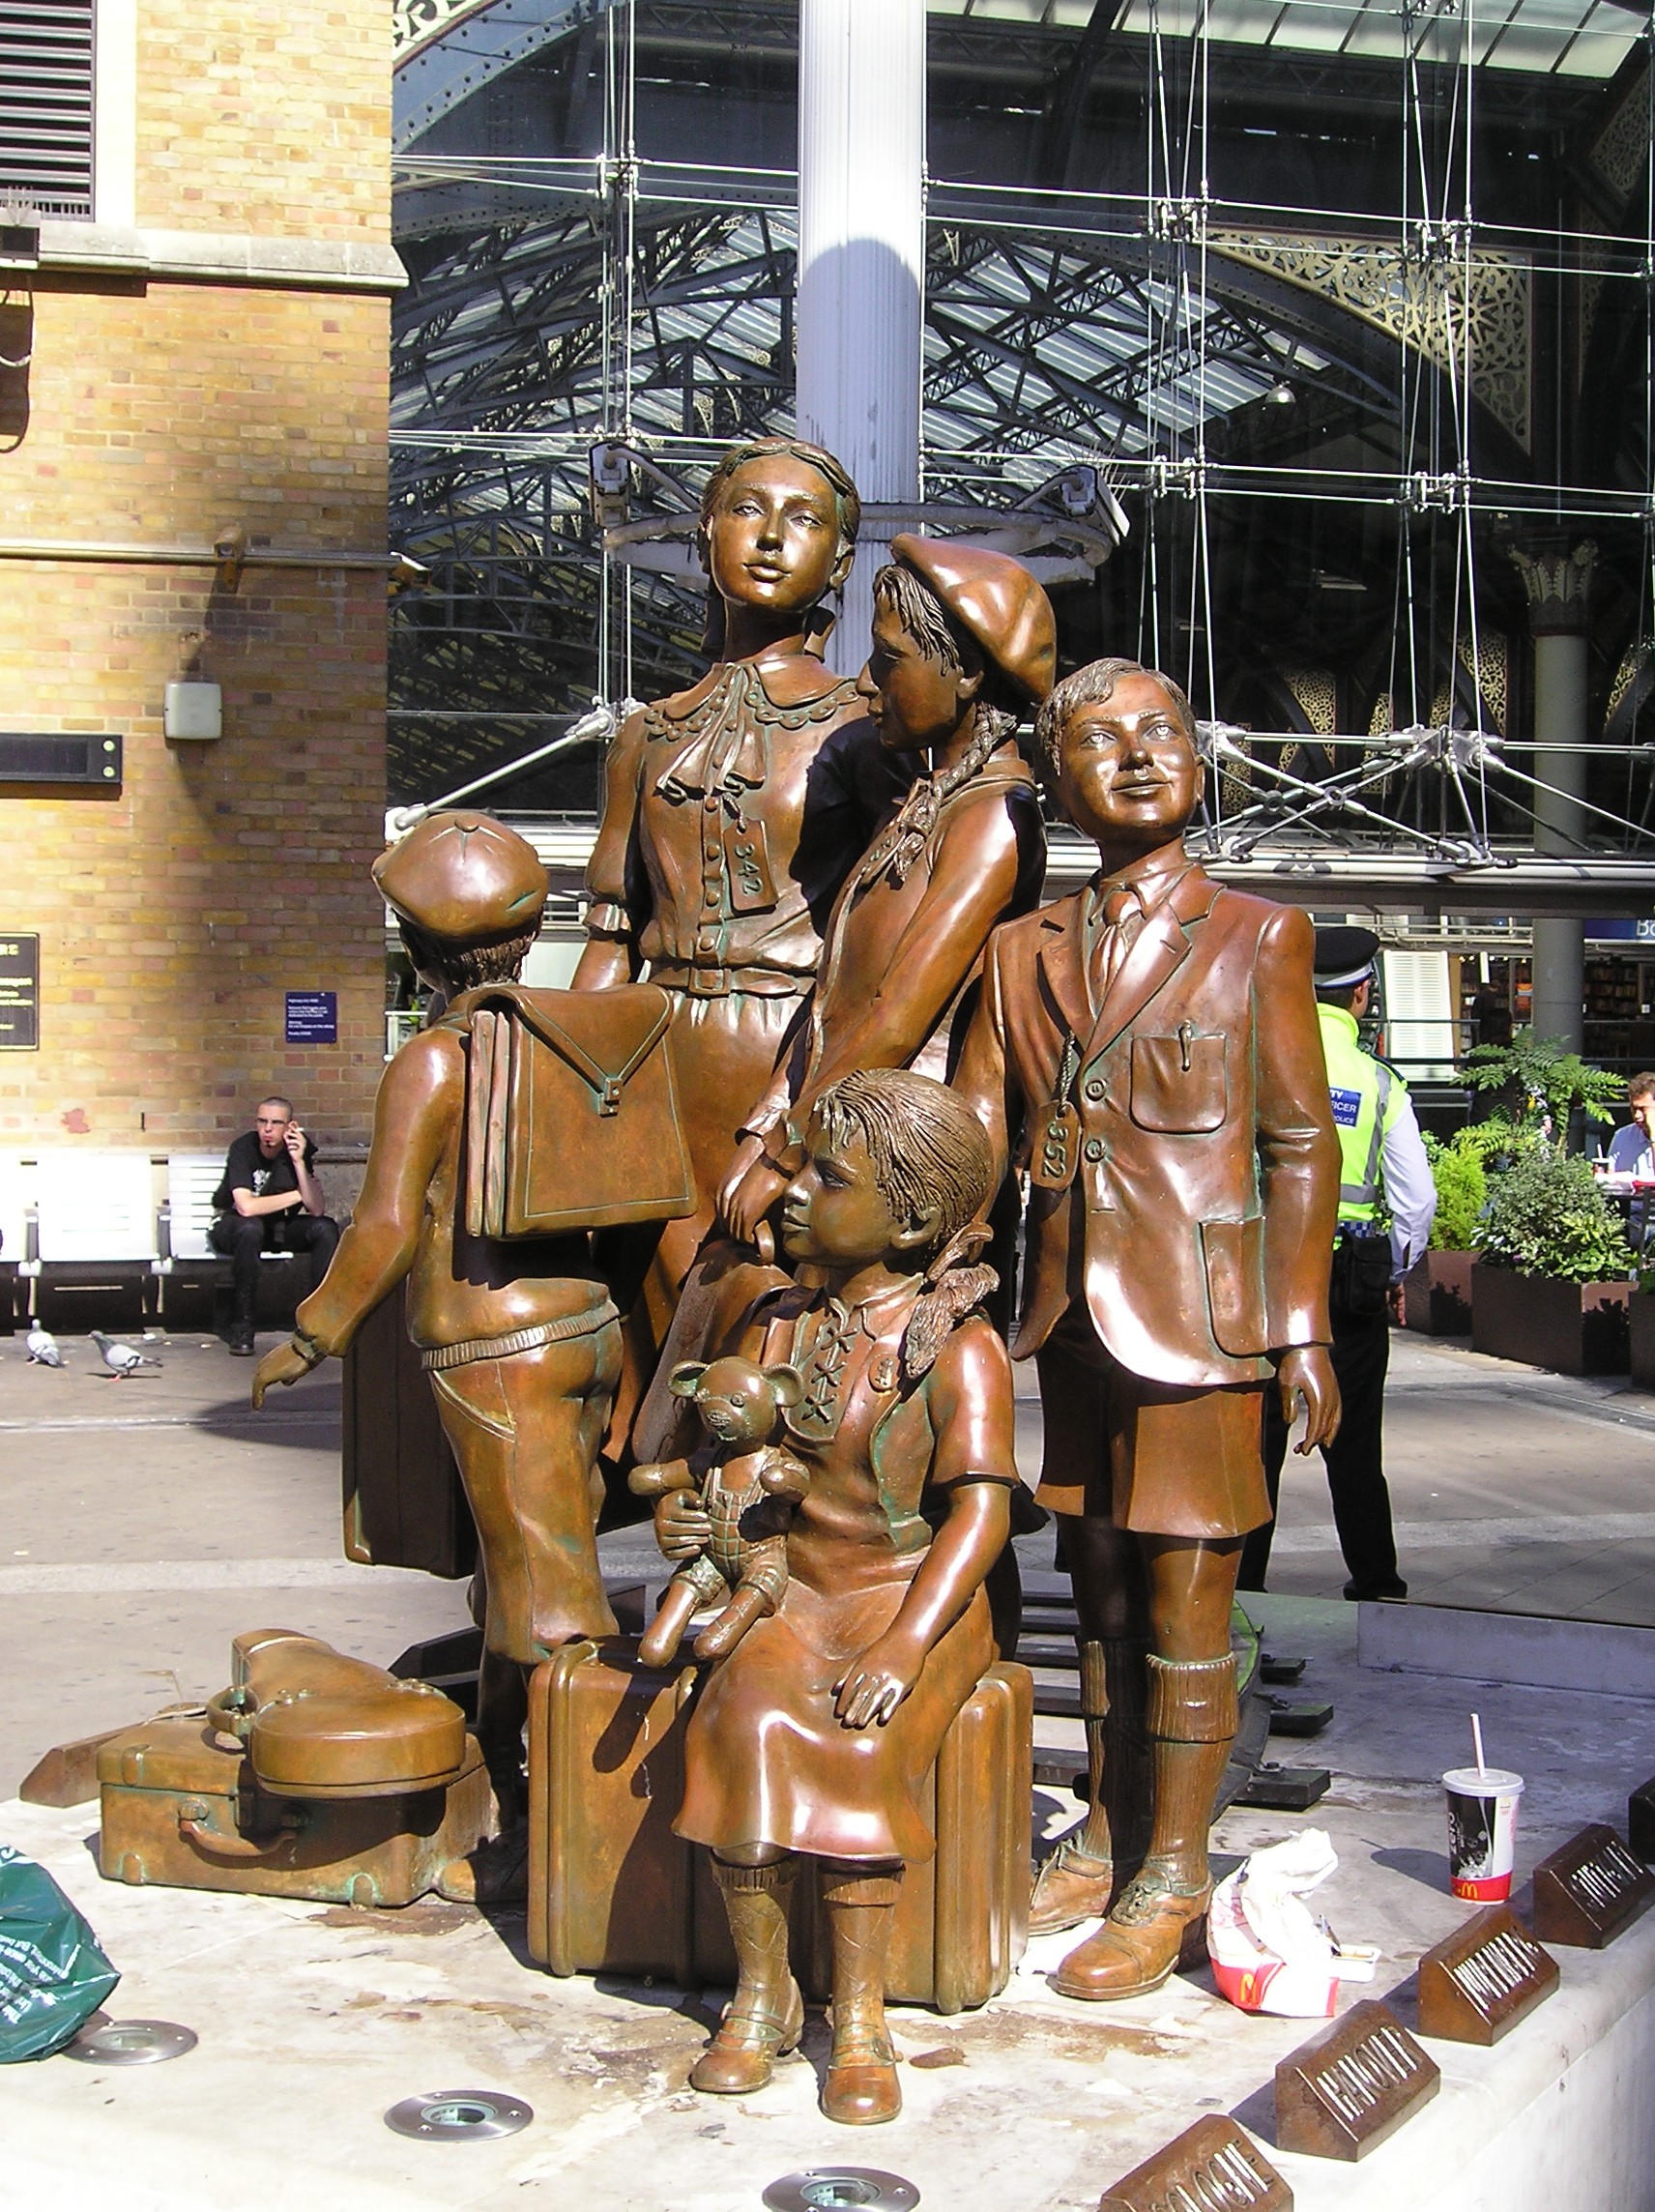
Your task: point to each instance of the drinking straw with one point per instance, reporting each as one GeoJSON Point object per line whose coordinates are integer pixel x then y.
{"type": "Point", "coordinates": [1477, 1739]}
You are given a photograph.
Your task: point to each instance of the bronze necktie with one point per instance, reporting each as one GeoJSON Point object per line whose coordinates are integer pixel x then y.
{"type": "Point", "coordinates": [1122, 916]}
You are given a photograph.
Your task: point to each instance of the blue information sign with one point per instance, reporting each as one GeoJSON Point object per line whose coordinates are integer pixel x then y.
{"type": "Point", "coordinates": [312, 1017]}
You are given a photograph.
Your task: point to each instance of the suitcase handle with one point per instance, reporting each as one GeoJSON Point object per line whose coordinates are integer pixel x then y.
{"type": "Point", "coordinates": [192, 1826]}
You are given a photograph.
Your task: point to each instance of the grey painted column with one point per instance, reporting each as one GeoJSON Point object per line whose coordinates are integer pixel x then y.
{"type": "Point", "coordinates": [861, 259]}
{"type": "Point", "coordinates": [1557, 584]}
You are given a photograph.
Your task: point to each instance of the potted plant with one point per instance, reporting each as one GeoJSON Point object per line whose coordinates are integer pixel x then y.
{"type": "Point", "coordinates": [1551, 1283]}
{"type": "Point", "coordinates": [1641, 1330]}
{"type": "Point", "coordinates": [1436, 1290]}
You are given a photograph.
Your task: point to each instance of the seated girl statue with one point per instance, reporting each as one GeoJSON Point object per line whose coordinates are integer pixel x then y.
{"type": "Point", "coordinates": [816, 1732]}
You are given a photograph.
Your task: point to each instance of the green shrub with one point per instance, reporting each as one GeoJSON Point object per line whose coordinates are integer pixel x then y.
{"type": "Point", "coordinates": [1462, 1183]}
{"type": "Point", "coordinates": [1545, 1078]}
{"type": "Point", "coordinates": [1547, 1216]}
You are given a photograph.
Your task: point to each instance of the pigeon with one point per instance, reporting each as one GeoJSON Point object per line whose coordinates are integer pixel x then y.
{"type": "Point", "coordinates": [120, 1358]}
{"type": "Point", "coordinates": [42, 1347]}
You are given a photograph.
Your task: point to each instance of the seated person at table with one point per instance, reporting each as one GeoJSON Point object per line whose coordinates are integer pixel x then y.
{"type": "Point", "coordinates": [268, 1201]}
{"type": "Point", "coordinates": [816, 1733]}
{"type": "Point", "coordinates": [1629, 1150]}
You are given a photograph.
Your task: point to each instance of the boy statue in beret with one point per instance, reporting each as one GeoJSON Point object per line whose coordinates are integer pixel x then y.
{"type": "Point", "coordinates": [520, 1339]}
{"type": "Point", "coordinates": [964, 648]}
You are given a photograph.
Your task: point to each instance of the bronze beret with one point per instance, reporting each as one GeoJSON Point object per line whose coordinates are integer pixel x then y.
{"type": "Point", "coordinates": [994, 598]}
{"type": "Point", "coordinates": [463, 879]}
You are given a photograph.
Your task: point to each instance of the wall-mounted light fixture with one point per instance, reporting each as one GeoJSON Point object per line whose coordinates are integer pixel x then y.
{"type": "Point", "coordinates": [192, 707]}
{"type": "Point", "coordinates": [230, 549]}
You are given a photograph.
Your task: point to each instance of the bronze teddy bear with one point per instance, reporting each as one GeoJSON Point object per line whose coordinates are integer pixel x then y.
{"type": "Point", "coordinates": [749, 1487]}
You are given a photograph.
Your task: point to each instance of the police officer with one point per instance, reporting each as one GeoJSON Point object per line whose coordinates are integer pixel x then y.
{"type": "Point", "coordinates": [1383, 1172]}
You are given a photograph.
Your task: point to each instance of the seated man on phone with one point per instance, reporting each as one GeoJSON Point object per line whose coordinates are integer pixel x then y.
{"type": "Point", "coordinates": [268, 1201]}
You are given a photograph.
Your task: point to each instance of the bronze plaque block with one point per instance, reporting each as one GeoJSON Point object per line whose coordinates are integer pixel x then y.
{"type": "Point", "coordinates": [1641, 1822]}
{"type": "Point", "coordinates": [1353, 2085]}
{"type": "Point", "coordinates": [1483, 1979]}
{"type": "Point", "coordinates": [1588, 1891]}
{"type": "Point", "coordinates": [1213, 2166]}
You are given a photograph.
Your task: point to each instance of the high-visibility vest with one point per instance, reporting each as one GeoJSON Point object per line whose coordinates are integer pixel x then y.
{"type": "Point", "coordinates": [1367, 1098]}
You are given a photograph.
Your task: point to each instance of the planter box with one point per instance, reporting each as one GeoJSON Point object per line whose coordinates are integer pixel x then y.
{"type": "Point", "coordinates": [1578, 1329]}
{"type": "Point", "coordinates": [1436, 1293]}
{"type": "Point", "coordinates": [1641, 1314]}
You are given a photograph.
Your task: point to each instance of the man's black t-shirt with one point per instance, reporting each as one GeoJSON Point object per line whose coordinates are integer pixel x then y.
{"type": "Point", "coordinates": [246, 1168]}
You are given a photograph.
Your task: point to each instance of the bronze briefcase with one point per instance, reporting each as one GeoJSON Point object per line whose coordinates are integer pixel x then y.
{"type": "Point", "coordinates": [612, 1890]}
{"type": "Point", "coordinates": [572, 1114]}
{"type": "Point", "coordinates": [180, 1809]}
{"type": "Point", "coordinates": [312, 1775]}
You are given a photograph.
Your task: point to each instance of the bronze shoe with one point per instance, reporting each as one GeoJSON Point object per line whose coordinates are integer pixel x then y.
{"type": "Point", "coordinates": [862, 2089]}
{"type": "Point", "coordinates": [1152, 1930]}
{"type": "Point", "coordinates": [495, 1872]}
{"type": "Point", "coordinates": [1071, 1886]}
{"type": "Point", "coordinates": [742, 2054]}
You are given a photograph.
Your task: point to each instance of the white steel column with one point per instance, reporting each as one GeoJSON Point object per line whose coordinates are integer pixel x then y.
{"type": "Point", "coordinates": [1557, 588]}
{"type": "Point", "coordinates": [861, 259]}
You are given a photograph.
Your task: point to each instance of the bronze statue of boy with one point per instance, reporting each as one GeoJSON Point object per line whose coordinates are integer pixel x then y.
{"type": "Point", "coordinates": [1147, 1048]}
{"type": "Point", "coordinates": [520, 1338]}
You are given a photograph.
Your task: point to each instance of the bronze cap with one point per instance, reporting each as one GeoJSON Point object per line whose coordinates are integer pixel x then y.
{"type": "Point", "coordinates": [994, 598]}
{"type": "Point", "coordinates": [464, 877]}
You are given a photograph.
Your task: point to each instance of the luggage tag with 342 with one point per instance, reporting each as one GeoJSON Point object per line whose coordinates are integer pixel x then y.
{"type": "Point", "coordinates": [1056, 1147]}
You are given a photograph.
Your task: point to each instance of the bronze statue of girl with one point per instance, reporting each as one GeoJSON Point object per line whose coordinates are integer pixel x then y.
{"type": "Point", "coordinates": [816, 1733]}
{"type": "Point", "coordinates": [732, 813]}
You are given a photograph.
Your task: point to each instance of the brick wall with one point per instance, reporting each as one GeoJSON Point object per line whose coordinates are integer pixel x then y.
{"type": "Point", "coordinates": [275, 122]}
{"type": "Point", "coordinates": [175, 916]}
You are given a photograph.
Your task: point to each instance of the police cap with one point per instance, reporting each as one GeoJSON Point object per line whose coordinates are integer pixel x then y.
{"type": "Point", "coordinates": [1344, 958]}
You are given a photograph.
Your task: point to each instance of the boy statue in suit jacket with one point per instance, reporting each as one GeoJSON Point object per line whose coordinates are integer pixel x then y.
{"type": "Point", "coordinates": [1148, 1051]}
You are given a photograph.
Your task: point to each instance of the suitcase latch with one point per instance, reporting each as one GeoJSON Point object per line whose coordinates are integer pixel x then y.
{"type": "Point", "coordinates": [609, 1097]}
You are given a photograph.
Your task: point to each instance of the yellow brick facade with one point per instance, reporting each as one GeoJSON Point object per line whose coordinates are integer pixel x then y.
{"type": "Point", "coordinates": [174, 916]}
{"type": "Point", "coordinates": [274, 122]}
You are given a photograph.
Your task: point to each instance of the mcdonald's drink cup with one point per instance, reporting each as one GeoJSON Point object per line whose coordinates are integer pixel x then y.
{"type": "Point", "coordinates": [1482, 1831]}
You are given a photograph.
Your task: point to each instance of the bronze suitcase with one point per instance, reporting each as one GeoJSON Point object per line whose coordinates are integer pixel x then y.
{"type": "Point", "coordinates": [181, 1808]}
{"type": "Point", "coordinates": [613, 1890]}
{"type": "Point", "coordinates": [404, 1506]}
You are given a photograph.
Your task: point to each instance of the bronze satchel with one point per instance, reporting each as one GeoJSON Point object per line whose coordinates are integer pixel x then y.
{"type": "Point", "coordinates": [571, 1115]}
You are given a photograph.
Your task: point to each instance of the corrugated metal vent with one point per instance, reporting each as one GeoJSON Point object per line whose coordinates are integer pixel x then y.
{"type": "Point", "coordinates": [46, 105]}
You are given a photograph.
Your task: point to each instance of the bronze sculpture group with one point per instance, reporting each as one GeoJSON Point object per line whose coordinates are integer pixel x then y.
{"type": "Point", "coordinates": [878, 1044]}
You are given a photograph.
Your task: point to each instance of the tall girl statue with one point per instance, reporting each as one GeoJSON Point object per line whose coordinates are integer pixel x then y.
{"type": "Point", "coordinates": [732, 814]}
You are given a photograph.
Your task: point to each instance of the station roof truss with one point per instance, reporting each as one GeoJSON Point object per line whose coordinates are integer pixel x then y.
{"type": "Point", "coordinates": [1372, 383]}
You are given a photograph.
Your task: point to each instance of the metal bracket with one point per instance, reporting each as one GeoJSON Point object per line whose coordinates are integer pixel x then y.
{"type": "Point", "coordinates": [1424, 494]}
{"type": "Point", "coordinates": [1183, 221]}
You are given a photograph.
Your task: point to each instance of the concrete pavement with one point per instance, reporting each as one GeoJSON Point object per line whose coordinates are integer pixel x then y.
{"type": "Point", "coordinates": [147, 1522]}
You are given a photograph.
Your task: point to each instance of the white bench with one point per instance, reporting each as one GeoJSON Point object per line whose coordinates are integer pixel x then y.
{"type": "Point", "coordinates": [95, 1208]}
{"type": "Point", "coordinates": [89, 1227]}
{"type": "Point", "coordinates": [15, 1224]}
{"type": "Point", "coordinates": [88, 1223]}
{"type": "Point", "coordinates": [192, 1178]}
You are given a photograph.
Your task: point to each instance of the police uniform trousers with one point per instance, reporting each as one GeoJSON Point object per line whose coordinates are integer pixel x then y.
{"type": "Point", "coordinates": [1361, 1353]}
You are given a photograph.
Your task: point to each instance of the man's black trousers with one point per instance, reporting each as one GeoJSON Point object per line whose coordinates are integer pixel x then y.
{"type": "Point", "coordinates": [240, 1238]}
{"type": "Point", "coordinates": [1361, 1353]}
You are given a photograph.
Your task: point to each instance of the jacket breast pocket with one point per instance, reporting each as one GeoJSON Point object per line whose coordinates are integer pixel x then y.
{"type": "Point", "coordinates": [1179, 1085]}
{"type": "Point", "coordinates": [1235, 1256]}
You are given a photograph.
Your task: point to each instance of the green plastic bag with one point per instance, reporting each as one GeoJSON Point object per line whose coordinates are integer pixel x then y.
{"type": "Point", "coordinates": [52, 1975]}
